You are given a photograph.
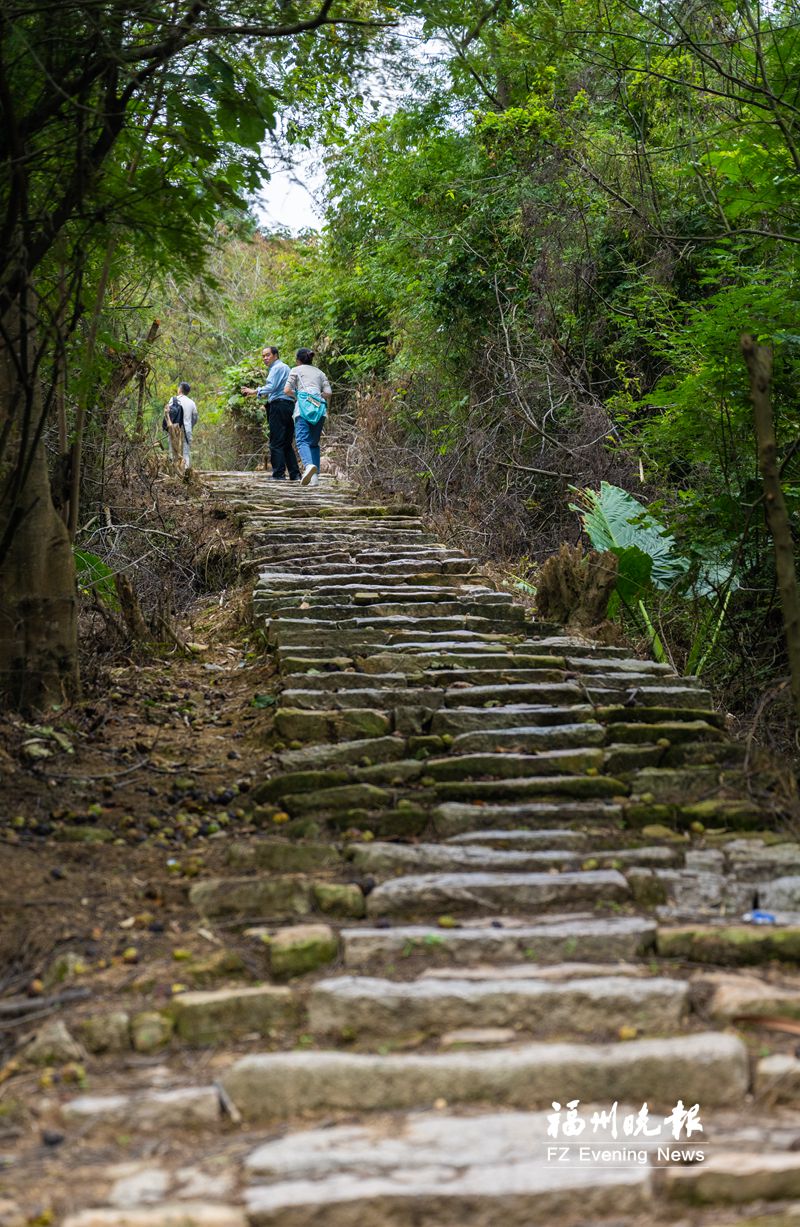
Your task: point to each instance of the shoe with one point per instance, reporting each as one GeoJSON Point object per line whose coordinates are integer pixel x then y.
{"type": "Point", "coordinates": [295, 478]}
{"type": "Point", "coordinates": [308, 472]}
{"type": "Point", "coordinates": [314, 480]}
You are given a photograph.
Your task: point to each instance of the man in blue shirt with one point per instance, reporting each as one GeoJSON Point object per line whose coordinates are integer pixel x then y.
{"type": "Point", "coordinates": [280, 410]}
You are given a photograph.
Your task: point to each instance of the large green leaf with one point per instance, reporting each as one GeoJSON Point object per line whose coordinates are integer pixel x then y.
{"type": "Point", "coordinates": [92, 572]}
{"type": "Point", "coordinates": [634, 575]}
{"type": "Point", "coordinates": [614, 520]}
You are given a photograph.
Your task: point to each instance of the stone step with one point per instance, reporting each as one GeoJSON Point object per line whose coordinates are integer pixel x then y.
{"type": "Point", "coordinates": [436, 1168]}
{"type": "Point", "coordinates": [292, 783]}
{"type": "Point", "coordinates": [274, 897]}
{"type": "Point", "coordinates": [455, 818]}
{"type": "Point", "coordinates": [467, 719]}
{"type": "Point", "coordinates": [387, 858]}
{"type": "Point", "coordinates": [509, 765]}
{"type": "Point", "coordinates": [530, 738]}
{"type": "Point", "coordinates": [523, 788]}
{"type": "Point", "coordinates": [362, 696]}
{"type": "Point", "coordinates": [219, 1016]}
{"type": "Point", "coordinates": [730, 945]}
{"type": "Point", "coordinates": [554, 938]}
{"type": "Point", "coordinates": [470, 894]}
{"type": "Point", "coordinates": [363, 752]}
{"type": "Point", "coordinates": [709, 1068]}
{"type": "Point", "coordinates": [361, 1008]}
{"type": "Point", "coordinates": [361, 633]}
{"type": "Point", "coordinates": [294, 724]}
{"type": "Point", "coordinates": [524, 838]}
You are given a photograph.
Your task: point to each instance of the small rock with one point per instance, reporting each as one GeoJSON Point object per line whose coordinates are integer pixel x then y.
{"type": "Point", "coordinates": [106, 1032]}
{"type": "Point", "coordinates": [139, 1188]}
{"type": "Point", "coordinates": [52, 1045]}
{"type": "Point", "coordinates": [301, 948]}
{"type": "Point", "coordinates": [150, 1031]}
{"type": "Point", "coordinates": [340, 900]}
{"type": "Point", "coordinates": [52, 1137]}
{"type": "Point", "coordinates": [63, 968]}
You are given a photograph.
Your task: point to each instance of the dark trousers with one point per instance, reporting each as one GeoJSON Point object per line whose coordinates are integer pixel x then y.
{"type": "Point", "coordinates": [281, 438]}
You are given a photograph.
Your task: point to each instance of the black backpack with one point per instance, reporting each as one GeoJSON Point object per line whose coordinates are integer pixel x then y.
{"type": "Point", "coordinates": [175, 413]}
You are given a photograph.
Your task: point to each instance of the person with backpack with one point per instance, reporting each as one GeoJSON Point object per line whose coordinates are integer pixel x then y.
{"type": "Point", "coordinates": [279, 416]}
{"type": "Point", "coordinates": [310, 389]}
{"type": "Point", "coordinates": [180, 419]}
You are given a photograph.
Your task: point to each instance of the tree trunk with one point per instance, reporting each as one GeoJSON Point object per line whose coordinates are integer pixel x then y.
{"type": "Point", "coordinates": [38, 598]}
{"type": "Point", "coordinates": [759, 365]}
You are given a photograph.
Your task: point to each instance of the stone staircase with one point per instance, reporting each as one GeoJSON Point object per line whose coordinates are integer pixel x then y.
{"type": "Point", "coordinates": [501, 869]}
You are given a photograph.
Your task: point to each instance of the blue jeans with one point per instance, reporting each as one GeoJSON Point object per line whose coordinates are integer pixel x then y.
{"type": "Point", "coordinates": [307, 436]}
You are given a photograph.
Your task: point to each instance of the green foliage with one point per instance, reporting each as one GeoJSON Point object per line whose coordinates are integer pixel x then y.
{"type": "Point", "coordinates": [614, 520]}
{"type": "Point", "coordinates": [95, 576]}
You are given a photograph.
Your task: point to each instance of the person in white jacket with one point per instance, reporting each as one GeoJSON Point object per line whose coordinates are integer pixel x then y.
{"type": "Point", "coordinates": [184, 440]}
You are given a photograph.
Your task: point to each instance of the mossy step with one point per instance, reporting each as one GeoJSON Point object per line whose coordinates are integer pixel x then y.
{"type": "Point", "coordinates": [530, 738]}
{"type": "Point", "coordinates": [345, 679]}
{"type": "Point", "coordinates": [626, 714]}
{"type": "Point", "coordinates": [730, 945]}
{"type": "Point", "coordinates": [500, 696]}
{"type": "Point", "coordinates": [522, 788]}
{"type": "Point", "coordinates": [362, 753]}
{"type": "Point", "coordinates": [676, 732]}
{"type": "Point", "coordinates": [517, 766]}
{"type": "Point", "coordinates": [363, 1008]}
{"type": "Point", "coordinates": [252, 899]}
{"type": "Point", "coordinates": [585, 938]}
{"type": "Point", "coordinates": [293, 724]}
{"type": "Point", "coordinates": [362, 696]}
{"type": "Point", "coordinates": [421, 896]}
{"type": "Point", "coordinates": [282, 856]}
{"type": "Point", "coordinates": [293, 783]}
{"type": "Point", "coordinates": [453, 818]}
{"type": "Point", "coordinates": [212, 1018]}
{"type": "Point", "coordinates": [469, 718]}
{"type": "Point", "coordinates": [710, 1069]}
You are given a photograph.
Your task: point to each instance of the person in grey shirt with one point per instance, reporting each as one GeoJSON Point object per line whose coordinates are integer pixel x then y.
{"type": "Point", "coordinates": [279, 415]}
{"type": "Point", "coordinates": [309, 379]}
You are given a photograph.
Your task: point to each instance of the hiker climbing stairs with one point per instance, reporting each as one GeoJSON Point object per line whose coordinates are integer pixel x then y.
{"type": "Point", "coordinates": [498, 868]}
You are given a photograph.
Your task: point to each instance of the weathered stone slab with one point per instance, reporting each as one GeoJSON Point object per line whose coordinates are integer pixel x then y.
{"type": "Point", "coordinates": [254, 898]}
{"type": "Point", "coordinates": [516, 1196]}
{"type": "Point", "coordinates": [777, 1079]}
{"type": "Point", "coordinates": [455, 817]}
{"type": "Point", "coordinates": [465, 719]}
{"type": "Point", "coordinates": [527, 739]}
{"type": "Point", "coordinates": [545, 838]}
{"type": "Point", "coordinates": [149, 1111]}
{"type": "Point", "coordinates": [507, 765]}
{"type": "Point", "coordinates": [711, 1069]}
{"type": "Point", "coordinates": [735, 1178]}
{"type": "Point", "coordinates": [283, 856]}
{"type": "Point", "coordinates": [227, 1014]}
{"type": "Point", "coordinates": [363, 1007]}
{"type": "Point", "coordinates": [301, 948]}
{"type": "Point", "coordinates": [584, 937]}
{"type": "Point", "coordinates": [724, 996]}
{"type": "Point", "coordinates": [168, 1214]}
{"type": "Point", "coordinates": [385, 858]}
{"type": "Point", "coordinates": [473, 893]}
{"type": "Point", "coordinates": [578, 786]}
{"type": "Point", "coordinates": [731, 945]}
